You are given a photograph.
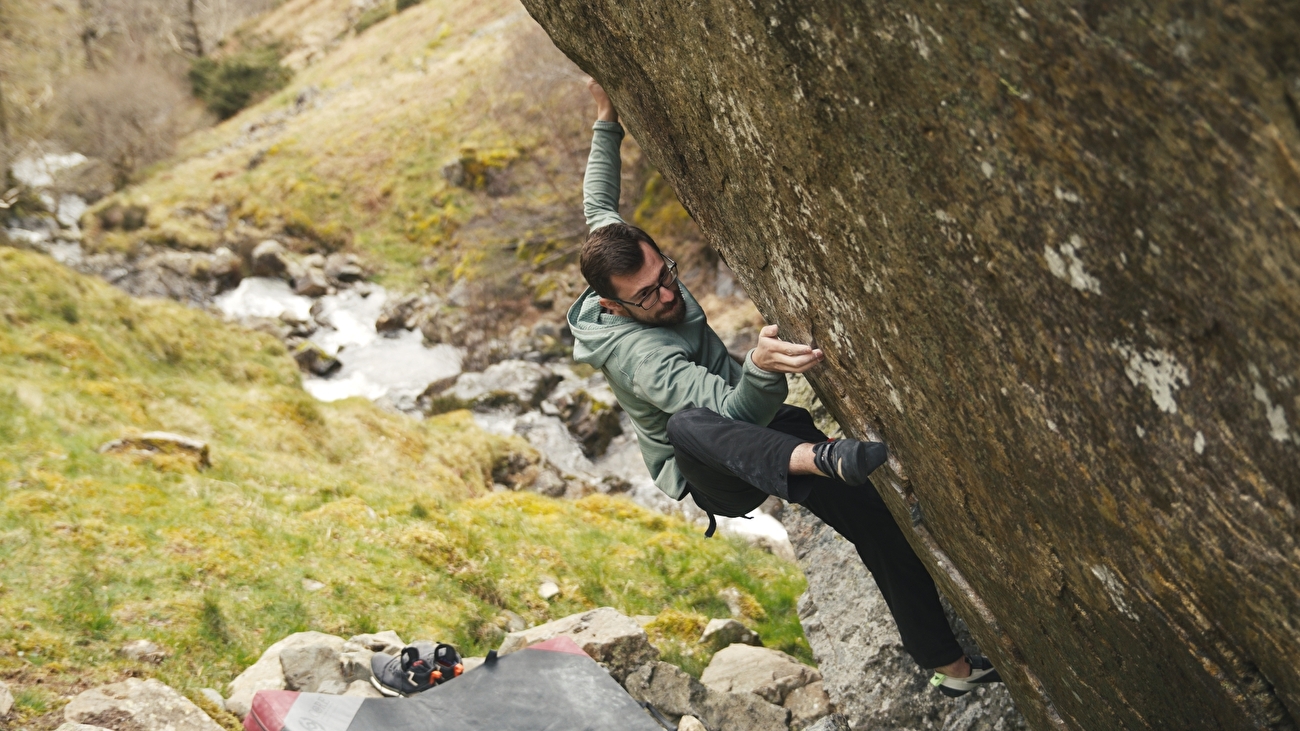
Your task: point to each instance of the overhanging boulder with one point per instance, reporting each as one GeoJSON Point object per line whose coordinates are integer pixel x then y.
{"type": "Point", "coordinates": [1051, 252]}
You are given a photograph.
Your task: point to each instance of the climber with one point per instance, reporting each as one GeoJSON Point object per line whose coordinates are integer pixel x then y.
{"type": "Point", "coordinates": [718, 430]}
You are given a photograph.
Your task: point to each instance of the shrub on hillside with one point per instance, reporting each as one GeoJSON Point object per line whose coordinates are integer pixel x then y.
{"type": "Point", "coordinates": [227, 85]}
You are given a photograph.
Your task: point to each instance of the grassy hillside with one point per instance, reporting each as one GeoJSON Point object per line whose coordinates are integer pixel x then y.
{"type": "Point", "coordinates": [391, 515]}
{"type": "Point", "coordinates": [351, 153]}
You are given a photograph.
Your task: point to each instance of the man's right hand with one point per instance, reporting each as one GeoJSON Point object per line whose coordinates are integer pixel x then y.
{"type": "Point", "coordinates": [605, 111]}
{"type": "Point", "coordinates": [778, 356]}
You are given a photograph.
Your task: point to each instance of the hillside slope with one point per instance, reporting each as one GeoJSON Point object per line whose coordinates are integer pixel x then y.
{"type": "Point", "coordinates": [337, 517]}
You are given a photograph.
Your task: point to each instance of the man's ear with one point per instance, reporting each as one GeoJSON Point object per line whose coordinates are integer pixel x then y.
{"type": "Point", "coordinates": [613, 307]}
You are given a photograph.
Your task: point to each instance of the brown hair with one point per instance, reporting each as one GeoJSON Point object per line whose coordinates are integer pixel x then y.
{"type": "Point", "coordinates": [613, 250]}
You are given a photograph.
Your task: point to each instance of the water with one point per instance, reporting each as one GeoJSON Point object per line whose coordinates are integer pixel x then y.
{"type": "Point", "coordinates": [377, 367]}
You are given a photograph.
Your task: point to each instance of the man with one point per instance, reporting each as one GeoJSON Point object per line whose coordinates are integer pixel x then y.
{"type": "Point", "coordinates": [719, 430]}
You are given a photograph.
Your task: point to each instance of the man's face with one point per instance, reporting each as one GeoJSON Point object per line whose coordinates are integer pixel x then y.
{"type": "Point", "coordinates": [669, 310]}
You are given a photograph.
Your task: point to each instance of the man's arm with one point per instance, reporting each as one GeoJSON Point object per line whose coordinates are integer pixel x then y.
{"type": "Point", "coordinates": [600, 185]}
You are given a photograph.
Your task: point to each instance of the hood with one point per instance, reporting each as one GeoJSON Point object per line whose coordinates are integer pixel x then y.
{"type": "Point", "coordinates": [595, 335]}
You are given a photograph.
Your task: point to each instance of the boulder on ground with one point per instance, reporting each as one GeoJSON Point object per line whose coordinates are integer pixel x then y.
{"type": "Point", "coordinates": [225, 269]}
{"type": "Point", "coordinates": [138, 705]}
{"type": "Point", "coordinates": [269, 259]}
{"type": "Point", "coordinates": [314, 667]}
{"type": "Point", "coordinates": [724, 632]}
{"type": "Point", "coordinates": [362, 689]}
{"type": "Point", "coordinates": [387, 642]}
{"type": "Point", "coordinates": [770, 674]}
{"type": "Point", "coordinates": [676, 694]}
{"type": "Point", "coordinates": [807, 704]}
{"type": "Point", "coordinates": [343, 268]}
{"type": "Point", "coordinates": [6, 700]}
{"type": "Point", "coordinates": [612, 639]}
{"type": "Point", "coordinates": [514, 384]}
{"type": "Point", "coordinates": [267, 673]}
{"type": "Point", "coordinates": [143, 651]}
{"type": "Point", "coordinates": [160, 442]}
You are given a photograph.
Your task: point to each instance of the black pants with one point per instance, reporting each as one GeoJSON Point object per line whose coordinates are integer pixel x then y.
{"type": "Point", "coordinates": [733, 466]}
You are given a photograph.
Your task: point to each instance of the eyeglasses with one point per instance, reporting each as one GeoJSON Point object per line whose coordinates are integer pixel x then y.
{"type": "Point", "coordinates": [667, 279]}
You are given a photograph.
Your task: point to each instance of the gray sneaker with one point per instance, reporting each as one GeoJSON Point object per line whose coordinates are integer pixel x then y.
{"type": "Point", "coordinates": [420, 666]}
{"type": "Point", "coordinates": [982, 672]}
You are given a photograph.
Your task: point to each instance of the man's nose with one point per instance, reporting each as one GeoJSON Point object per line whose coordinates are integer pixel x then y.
{"type": "Point", "coordinates": [667, 293]}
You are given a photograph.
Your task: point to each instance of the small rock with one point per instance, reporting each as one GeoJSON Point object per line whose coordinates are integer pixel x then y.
{"type": "Point", "coordinates": [609, 637]}
{"type": "Point", "coordinates": [138, 704]}
{"type": "Point", "coordinates": [143, 651]}
{"type": "Point", "coordinates": [833, 722]}
{"type": "Point", "coordinates": [160, 442]}
{"type": "Point", "coordinates": [314, 667]}
{"type": "Point", "coordinates": [724, 632]}
{"type": "Point", "coordinates": [690, 723]}
{"type": "Point", "coordinates": [213, 697]}
{"type": "Point", "coordinates": [269, 259]}
{"type": "Point", "coordinates": [770, 674]}
{"type": "Point", "coordinates": [362, 689]}
{"type": "Point", "coordinates": [267, 673]}
{"type": "Point", "coordinates": [343, 268]}
{"type": "Point", "coordinates": [643, 619]}
{"type": "Point", "coordinates": [731, 595]}
{"type": "Point", "coordinates": [398, 314]}
{"type": "Point", "coordinates": [387, 642]}
{"type": "Point", "coordinates": [547, 590]}
{"type": "Point", "coordinates": [514, 622]}
{"type": "Point", "coordinates": [311, 283]}
{"type": "Point", "coordinates": [807, 704]}
{"type": "Point", "coordinates": [312, 585]}
{"type": "Point", "coordinates": [226, 269]}
{"type": "Point", "coordinates": [311, 358]}
{"type": "Point", "coordinates": [676, 694]}
{"type": "Point", "coordinates": [6, 700]}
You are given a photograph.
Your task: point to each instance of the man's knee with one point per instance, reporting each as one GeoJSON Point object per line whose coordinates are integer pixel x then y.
{"type": "Point", "coordinates": [686, 423]}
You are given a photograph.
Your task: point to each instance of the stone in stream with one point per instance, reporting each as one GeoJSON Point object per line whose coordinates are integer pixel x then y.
{"type": "Point", "coordinates": [1049, 251]}
{"type": "Point", "coordinates": [612, 639]}
{"type": "Point", "coordinates": [269, 259]}
{"type": "Point", "coordinates": [312, 358]}
{"type": "Point", "coordinates": [138, 704]}
{"type": "Point", "coordinates": [516, 384]}
{"type": "Point", "coordinates": [311, 283]}
{"type": "Point", "coordinates": [343, 268]}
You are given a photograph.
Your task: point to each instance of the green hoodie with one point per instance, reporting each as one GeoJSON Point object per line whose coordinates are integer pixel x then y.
{"type": "Point", "coordinates": [656, 371]}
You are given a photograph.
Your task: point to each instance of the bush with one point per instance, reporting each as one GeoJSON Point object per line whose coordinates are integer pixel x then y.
{"type": "Point", "coordinates": [229, 84]}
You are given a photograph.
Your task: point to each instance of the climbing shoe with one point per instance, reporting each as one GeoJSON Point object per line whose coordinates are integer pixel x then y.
{"type": "Point", "coordinates": [982, 672]}
{"type": "Point", "coordinates": [420, 666]}
{"type": "Point", "coordinates": [848, 459]}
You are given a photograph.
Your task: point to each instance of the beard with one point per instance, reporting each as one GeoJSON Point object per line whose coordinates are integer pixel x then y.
{"type": "Point", "coordinates": [674, 315]}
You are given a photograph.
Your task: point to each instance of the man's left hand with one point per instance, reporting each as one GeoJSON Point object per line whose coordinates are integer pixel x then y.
{"type": "Point", "coordinates": [778, 356]}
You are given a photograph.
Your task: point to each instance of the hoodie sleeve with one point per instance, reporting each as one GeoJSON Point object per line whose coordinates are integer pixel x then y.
{"type": "Point", "coordinates": [672, 383]}
{"type": "Point", "coordinates": [601, 183]}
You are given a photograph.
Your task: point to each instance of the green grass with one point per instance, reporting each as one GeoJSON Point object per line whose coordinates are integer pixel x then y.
{"type": "Point", "coordinates": [392, 515]}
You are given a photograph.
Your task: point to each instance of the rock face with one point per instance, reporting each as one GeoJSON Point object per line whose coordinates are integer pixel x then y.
{"type": "Point", "coordinates": [1051, 254]}
{"type": "Point", "coordinates": [138, 705]}
{"type": "Point", "coordinates": [612, 639]}
{"type": "Point", "coordinates": [871, 680]}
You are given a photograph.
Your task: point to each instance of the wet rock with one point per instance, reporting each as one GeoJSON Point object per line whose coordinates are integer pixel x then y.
{"type": "Point", "coordinates": [770, 674]}
{"type": "Point", "coordinates": [344, 268]}
{"type": "Point", "coordinates": [313, 359]}
{"type": "Point", "coordinates": [314, 667]}
{"type": "Point", "coordinates": [160, 442]}
{"type": "Point", "coordinates": [136, 704]}
{"type": "Point", "coordinates": [311, 283]}
{"type": "Point", "coordinates": [514, 384]}
{"type": "Point", "coordinates": [267, 673]}
{"type": "Point", "coordinates": [1031, 283]}
{"type": "Point", "coordinates": [143, 651]}
{"type": "Point", "coordinates": [872, 681]}
{"type": "Point", "coordinates": [399, 314]}
{"type": "Point", "coordinates": [588, 408]}
{"type": "Point", "coordinates": [226, 270]}
{"type": "Point", "coordinates": [676, 694]}
{"type": "Point", "coordinates": [724, 632]}
{"type": "Point", "coordinates": [612, 639]}
{"type": "Point", "coordinates": [269, 259]}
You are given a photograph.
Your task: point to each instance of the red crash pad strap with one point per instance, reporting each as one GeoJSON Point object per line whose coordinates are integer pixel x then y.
{"type": "Point", "coordinates": [269, 709]}
{"type": "Point", "coordinates": [559, 643]}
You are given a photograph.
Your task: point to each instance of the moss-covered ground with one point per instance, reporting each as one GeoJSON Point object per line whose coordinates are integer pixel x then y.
{"type": "Point", "coordinates": [337, 517]}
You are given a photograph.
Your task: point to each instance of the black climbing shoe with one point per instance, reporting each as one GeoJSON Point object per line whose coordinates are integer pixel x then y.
{"type": "Point", "coordinates": [982, 672]}
{"type": "Point", "coordinates": [848, 459]}
{"type": "Point", "coordinates": [420, 666]}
